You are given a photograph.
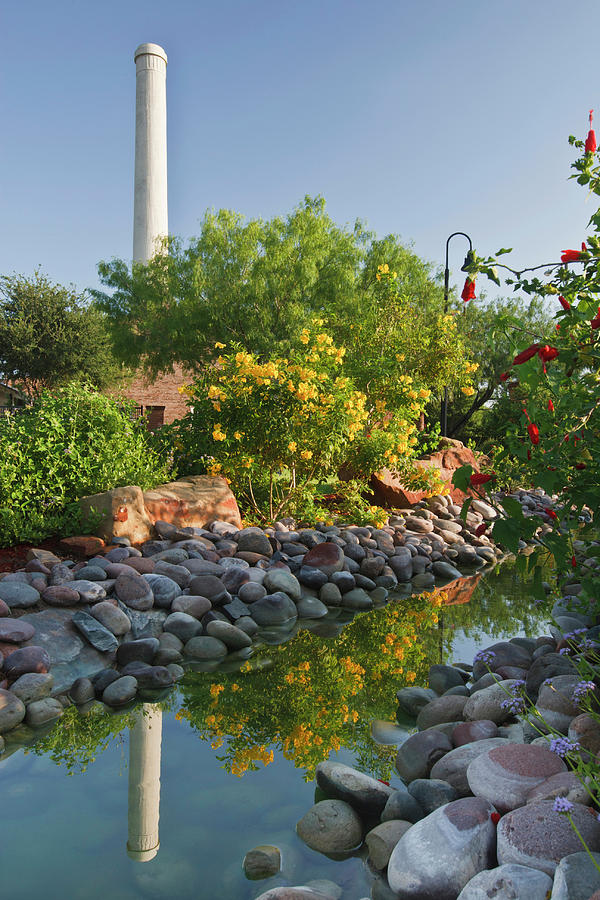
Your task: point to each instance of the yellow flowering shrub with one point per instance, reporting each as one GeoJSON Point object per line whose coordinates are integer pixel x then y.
{"type": "Point", "coordinates": [278, 428]}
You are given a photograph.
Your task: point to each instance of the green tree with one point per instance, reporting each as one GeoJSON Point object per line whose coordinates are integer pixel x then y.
{"type": "Point", "coordinates": [50, 334]}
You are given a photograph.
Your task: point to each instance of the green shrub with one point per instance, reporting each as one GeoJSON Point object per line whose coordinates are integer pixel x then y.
{"type": "Point", "coordinates": [70, 443]}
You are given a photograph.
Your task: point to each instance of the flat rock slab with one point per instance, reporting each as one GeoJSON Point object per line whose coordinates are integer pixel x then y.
{"type": "Point", "coordinates": [93, 630]}
{"type": "Point", "coordinates": [536, 836]}
{"type": "Point", "coordinates": [70, 656]}
{"type": "Point", "coordinates": [365, 794]}
{"type": "Point", "coordinates": [508, 882]}
{"type": "Point", "coordinates": [506, 775]}
{"type": "Point", "coordinates": [15, 630]}
{"type": "Point", "coordinates": [439, 855]}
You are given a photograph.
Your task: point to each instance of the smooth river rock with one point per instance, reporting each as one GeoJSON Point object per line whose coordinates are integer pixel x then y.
{"type": "Point", "coordinates": [576, 877]}
{"type": "Point", "coordinates": [331, 826]}
{"type": "Point", "coordinates": [439, 855]}
{"type": "Point", "coordinates": [365, 794]}
{"type": "Point", "coordinates": [12, 710]}
{"type": "Point", "coordinates": [454, 765]}
{"type": "Point", "coordinates": [508, 882]}
{"type": "Point", "coordinates": [506, 775]}
{"type": "Point", "coordinates": [15, 630]}
{"type": "Point", "coordinates": [536, 836]}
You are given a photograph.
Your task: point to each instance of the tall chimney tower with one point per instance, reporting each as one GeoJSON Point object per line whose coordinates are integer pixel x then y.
{"type": "Point", "coordinates": [150, 217]}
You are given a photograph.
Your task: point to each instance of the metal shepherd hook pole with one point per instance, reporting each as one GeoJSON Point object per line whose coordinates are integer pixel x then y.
{"type": "Point", "coordinates": [444, 409]}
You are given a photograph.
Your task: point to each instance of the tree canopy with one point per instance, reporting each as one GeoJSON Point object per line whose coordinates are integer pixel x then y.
{"type": "Point", "coordinates": [50, 334]}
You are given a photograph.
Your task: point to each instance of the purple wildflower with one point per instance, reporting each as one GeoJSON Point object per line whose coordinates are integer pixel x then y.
{"type": "Point", "coordinates": [572, 634]}
{"type": "Point", "coordinates": [485, 656]}
{"type": "Point", "coordinates": [564, 651]}
{"type": "Point", "coordinates": [581, 691]}
{"type": "Point", "coordinates": [514, 705]}
{"type": "Point", "coordinates": [561, 746]}
{"type": "Point", "coordinates": [562, 805]}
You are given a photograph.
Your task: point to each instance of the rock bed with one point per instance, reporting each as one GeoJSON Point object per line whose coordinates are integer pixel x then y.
{"type": "Point", "coordinates": [205, 597]}
{"type": "Point", "coordinates": [478, 813]}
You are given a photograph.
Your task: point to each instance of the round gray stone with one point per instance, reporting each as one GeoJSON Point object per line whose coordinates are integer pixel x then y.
{"type": "Point", "coordinates": [331, 826]}
{"type": "Point", "coordinates": [508, 882]}
{"type": "Point", "coordinates": [182, 625]}
{"type": "Point", "coordinates": [233, 638]}
{"type": "Point", "coordinates": [33, 686]}
{"type": "Point", "coordinates": [41, 711]}
{"type": "Point", "coordinates": [112, 617]}
{"type": "Point", "coordinates": [365, 794]}
{"type": "Point", "coordinates": [120, 691]}
{"type": "Point", "coordinates": [382, 839]}
{"type": "Point", "coordinates": [506, 775]}
{"type": "Point", "coordinates": [205, 647]}
{"type": "Point", "coordinates": [18, 595]}
{"type": "Point", "coordinates": [576, 877]}
{"type": "Point", "coordinates": [12, 710]}
{"type": "Point", "coordinates": [453, 766]}
{"type": "Point", "coordinates": [278, 580]}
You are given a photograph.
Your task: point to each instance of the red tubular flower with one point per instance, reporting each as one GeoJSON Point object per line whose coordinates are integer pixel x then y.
{"type": "Point", "coordinates": [564, 303]}
{"type": "Point", "coordinates": [568, 256]}
{"type": "Point", "coordinates": [546, 353]}
{"type": "Point", "coordinates": [468, 291]}
{"type": "Point", "coordinates": [595, 323]}
{"type": "Point", "coordinates": [495, 817]}
{"type": "Point", "coordinates": [573, 562]}
{"type": "Point", "coordinates": [481, 529]}
{"type": "Point", "coordinates": [524, 355]}
{"type": "Point", "coordinates": [528, 453]}
{"type": "Point", "coordinates": [534, 433]}
{"type": "Point", "coordinates": [590, 141]}
{"type": "Point", "coordinates": [580, 465]}
{"type": "Point", "coordinates": [479, 478]}
{"type": "Point", "coordinates": [552, 514]}
{"type": "Point", "coordinates": [504, 376]}
{"type": "Point", "coordinates": [557, 326]}
{"type": "Point", "coordinates": [550, 406]}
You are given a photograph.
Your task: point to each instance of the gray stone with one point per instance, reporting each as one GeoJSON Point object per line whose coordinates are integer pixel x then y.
{"type": "Point", "coordinates": [345, 581]}
{"type": "Point", "coordinates": [387, 733]}
{"type": "Point", "coordinates": [112, 617]}
{"type": "Point", "coordinates": [330, 594]}
{"type": "Point", "coordinates": [141, 650]}
{"type": "Point", "coordinates": [179, 574]}
{"type": "Point", "coordinates": [576, 877]}
{"type": "Point", "coordinates": [418, 754]}
{"type": "Point", "coordinates": [382, 839]}
{"type": "Point", "coordinates": [60, 574]}
{"type": "Point", "coordinates": [92, 573]}
{"type": "Point", "coordinates": [251, 592]}
{"type": "Point", "coordinates": [278, 580]}
{"type": "Point", "coordinates": [442, 709]}
{"type": "Point", "coordinates": [12, 710]}
{"type": "Point", "coordinates": [439, 855]}
{"type": "Point", "coordinates": [555, 703]}
{"type": "Point", "coordinates": [247, 625]}
{"type": "Point", "coordinates": [148, 624]}
{"type": "Point", "coordinates": [33, 686]}
{"type": "Point", "coordinates": [508, 882]}
{"type": "Point", "coordinates": [311, 608]}
{"type": "Point", "coordinates": [312, 577]}
{"type": "Point", "coordinates": [27, 659]}
{"type": "Point", "coordinates": [487, 703]}
{"type": "Point", "coordinates": [82, 690]}
{"type": "Point", "coordinates": [453, 766]}
{"type": "Point", "coordinates": [274, 609]}
{"type": "Point", "coordinates": [182, 626]}
{"type": "Point", "coordinates": [41, 711]}
{"type": "Point", "coordinates": [506, 775]}
{"type": "Point", "coordinates": [565, 784]}
{"type": "Point", "coordinates": [536, 836]}
{"type": "Point", "coordinates": [480, 730]}
{"type": "Point", "coordinates": [89, 591]}
{"type": "Point", "coordinates": [442, 678]}
{"type": "Point", "coordinates": [331, 826]}
{"type": "Point", "coordinates": [205, 648]}
{"type": "Point", "coordinates": [254, 540]}
{"type": "Point", "coordinates": [365, 794]}
{"type": "Point", "coordinates": [431, 793]}
{"type": "Point", "coordinates": [402, 805]}
{"type": "Point", "coordinates": [120, 691]}
{"type": "Point", "coordinates": [445, 571]}
{"type": "Point", "coordinates": [233, 638]}
{"type": "Point", "coordinates": [423, 581]}
{"type": "Point", "coordinates": [411, 700]}
{"type": "Point", "coordinates": [14, 631]}
{"type": "Point", "coordinates": [262, 862]}
{"type": "Point", "coordinates": [60, 595]}
{"type": "Point", "coordinates": [357, 599]}
{"type": "Point", "coordinates": [152, 678]}
{"type": "Point", "coordinates": [18, 596]}
{"type": "Point", "coordinates": [209, 586]}
{"type": "Point", "coordinates": [193, 606]}
{"type": "Point", "coordinates": [504, 653]}
{"type": "Point", "coordinates": [98, 636]}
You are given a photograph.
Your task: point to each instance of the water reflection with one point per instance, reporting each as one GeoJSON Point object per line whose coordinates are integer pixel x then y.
{"type": "Point", "coordinates": [143, 806]}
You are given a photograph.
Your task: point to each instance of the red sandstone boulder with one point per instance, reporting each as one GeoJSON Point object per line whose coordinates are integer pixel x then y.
{"type": "Point", "coordinates": [451, 455]}
{"type": "Point", "coordinates": [82, 545]}
{"type": "Point", "coordinates": [129, 512]}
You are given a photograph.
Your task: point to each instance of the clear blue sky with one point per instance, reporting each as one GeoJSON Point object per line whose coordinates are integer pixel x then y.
{"type": "Point", "coordinates": [421, 118]}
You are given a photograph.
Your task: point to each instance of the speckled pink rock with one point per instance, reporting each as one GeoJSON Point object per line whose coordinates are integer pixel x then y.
{"type": "Point", "coordinates": [14, 631]}
{"type": "Point", "coordinates": [536, 836]}
{"type": "Point", "coordinates": [506, 775]}
{"type": "Point", "coordinates": [467, 732]}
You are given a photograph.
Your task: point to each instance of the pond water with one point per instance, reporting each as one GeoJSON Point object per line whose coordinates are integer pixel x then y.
{"type": "Point", "coordinates": [83, 805]}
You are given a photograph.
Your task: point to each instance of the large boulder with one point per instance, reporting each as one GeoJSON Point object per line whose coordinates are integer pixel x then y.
{"type": "Point", "coordinates": [130, 512]}
{"type": "Point", "coordinates": [439, 855]}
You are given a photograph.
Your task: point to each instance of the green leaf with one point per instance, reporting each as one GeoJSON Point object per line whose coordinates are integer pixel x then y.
{"type": "Point", "coordinates": [465, 509]}
{"type": "Point", "coordinates": [507, 532]}
{"type": "Point", "coordinates": [513, 507]}
{"type": "Point", "coordinates": [462, 478]}
{"type": "Point", "coordinates": [537, 586]}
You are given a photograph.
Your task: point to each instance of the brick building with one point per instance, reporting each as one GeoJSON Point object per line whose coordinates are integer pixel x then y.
{"type": "Point", "coordinates": [159, 399]}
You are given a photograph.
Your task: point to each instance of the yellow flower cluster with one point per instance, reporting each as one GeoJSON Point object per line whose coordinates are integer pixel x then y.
{"type": "Point", "coordinates": [218, 434]}
{"type": "Point", "coordinates": [244, 759]}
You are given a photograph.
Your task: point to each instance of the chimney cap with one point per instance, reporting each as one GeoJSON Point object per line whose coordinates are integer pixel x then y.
{"type": "Point", "coordinates": [150, 50]}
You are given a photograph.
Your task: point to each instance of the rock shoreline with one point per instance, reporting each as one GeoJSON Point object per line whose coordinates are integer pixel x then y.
{"type": "Point", "coordinates": [481, 807]}
{"type": "Point", "coordinates": [128, 620]}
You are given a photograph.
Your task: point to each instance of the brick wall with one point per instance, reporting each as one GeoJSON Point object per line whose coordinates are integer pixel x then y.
{"type": "Point", "coordinates": [163, 391]}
